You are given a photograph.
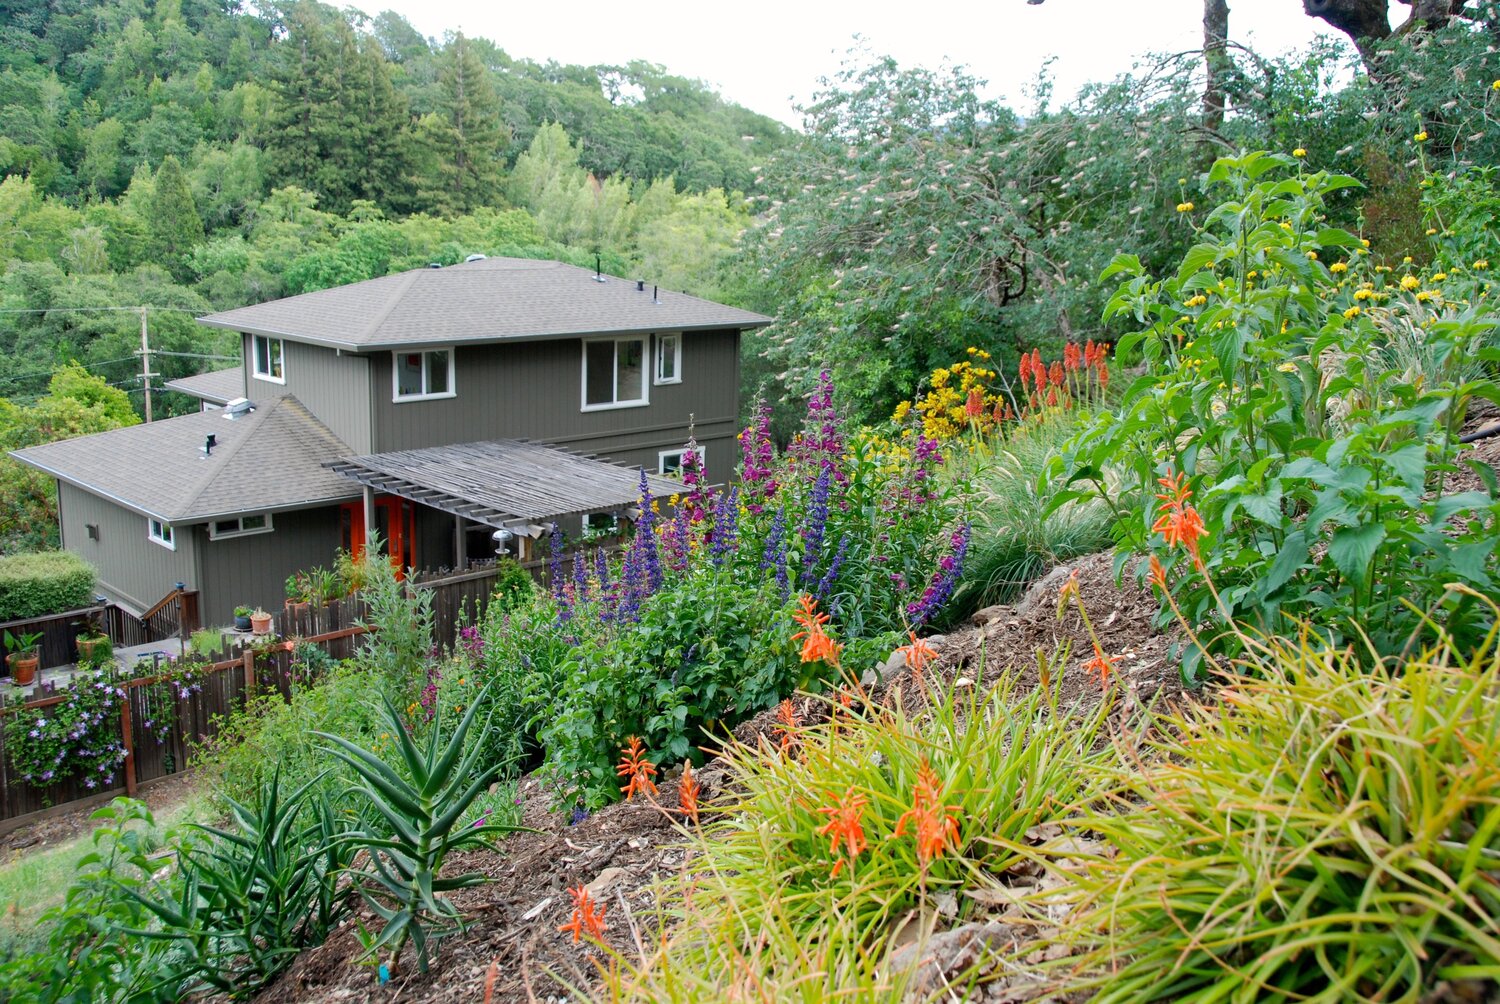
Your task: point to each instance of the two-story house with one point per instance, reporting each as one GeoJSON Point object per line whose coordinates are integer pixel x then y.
{"type": "Point", "coordinates": [450, 409]}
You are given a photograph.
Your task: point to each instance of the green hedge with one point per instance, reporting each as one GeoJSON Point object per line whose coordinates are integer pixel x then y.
{"type": "Point", "coordinates": [48, 582]}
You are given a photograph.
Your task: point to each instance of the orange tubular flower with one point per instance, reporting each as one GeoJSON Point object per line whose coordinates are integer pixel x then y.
{"type": "Point", "coordinates": [1058, 375]}
{"type": "Point", "coordinates": [1103, 372]}
{"type": "Point", "coordinates": [1025, 368]}
{"type": "Point", "coordinates": [1100, 664]}
{"type": "Point", "coordinates": [845, 827]}
{"type": "Point", "coordinates": [918, 654]}
{"type": "Point", "coordinates": [1179, 522]}
{"type": "Point", "coordinates": [974, 407]}
{"type": "Point", "coordinates": [638, 771]}
{"type": "Point", "coordinates": [787, 725]}
{"type": "Point", "coordinates": [1071, 356]}
{"type": "Point", "coordinates": [934, 825]}
{"type": "Point", "coordinates": [1158, 574]}
{"type": "Point", "coordinates": [687, 793]}
{"type": "Point", "coordinates": [1037, 369]}
{"type": "Point", "coordinates": [816, 645]}
{"type": "Point", "coordinates": [588, 916]}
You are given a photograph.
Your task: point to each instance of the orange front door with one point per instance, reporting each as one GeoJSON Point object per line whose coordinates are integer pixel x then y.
{"type": "Point", "coordinates": [395, 521]}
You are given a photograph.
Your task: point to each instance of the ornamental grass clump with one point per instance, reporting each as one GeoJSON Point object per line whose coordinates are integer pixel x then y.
{"type": "Point", "coordinates": [1330, 833]}
{"type": "Point", "coordinates": [879, 821]}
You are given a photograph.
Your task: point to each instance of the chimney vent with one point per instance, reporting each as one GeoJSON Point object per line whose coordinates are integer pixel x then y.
{"type": "Point", "coordinates": [640, 285]}
{"type": "Point", "coordinates": [238, 408]}
{"type": "Point", "coordinates": [209, 442]}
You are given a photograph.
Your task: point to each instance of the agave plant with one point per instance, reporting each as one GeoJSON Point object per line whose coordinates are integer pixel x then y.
{"type": "Point", "coordinates": [417, 805]}
{"type": "Point", "coordinates": [252, 896]}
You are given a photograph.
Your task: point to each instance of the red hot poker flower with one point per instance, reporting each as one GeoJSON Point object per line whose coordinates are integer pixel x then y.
{"type": "Point", "coordinates": [845, 827]}
{"type": "Point", "coordinates": [934, 825]}
{"type": "Point", "coordinates": [1058, 375]}
{"type": "Point", "coordinates": [974, 407]}
{"type": "Point", "coordinates": [638, 771]}
{"type": "Point", "coordinates": [1071, 356]}
{"type": "Point", "coordinates": [588, 916]}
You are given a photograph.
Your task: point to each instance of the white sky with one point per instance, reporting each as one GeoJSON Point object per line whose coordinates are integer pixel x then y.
{"type": "Point", "coordinates": [769, 55]}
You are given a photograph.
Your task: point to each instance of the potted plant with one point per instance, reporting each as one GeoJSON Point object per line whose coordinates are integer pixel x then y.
{"type": "Point", "coordinates": [242, 618]}
{"type": "Point", "coordinates": [298, 593]}
{"type": "Point", "coordinates": [94, 647]}
{"type": "Point", "coordinates": [260, 622]}
{"type": "Point", "coordinates": [25, 655]}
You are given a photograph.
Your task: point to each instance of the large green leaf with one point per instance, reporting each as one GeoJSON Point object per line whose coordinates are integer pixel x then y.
{"type": "Point", "coordinates": [1352, 548]}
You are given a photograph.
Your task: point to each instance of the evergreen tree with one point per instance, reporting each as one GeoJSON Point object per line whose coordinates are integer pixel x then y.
{"type": "Point", "coordinates": [175, 226]}
{"type": "Point", "coordinates": [462, 143]}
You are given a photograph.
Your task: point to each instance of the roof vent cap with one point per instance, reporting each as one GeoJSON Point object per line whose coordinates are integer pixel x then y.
{"type": "Point", "coordinates": [434, 264]}
{"type": "Point", "coordinates": [238, 408]}
{"type": "Point", "coordinates": [475, 257]}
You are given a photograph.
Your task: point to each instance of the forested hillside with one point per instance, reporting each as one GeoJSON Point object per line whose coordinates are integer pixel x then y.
{"type": "Point", "coordinates": [190, 156]}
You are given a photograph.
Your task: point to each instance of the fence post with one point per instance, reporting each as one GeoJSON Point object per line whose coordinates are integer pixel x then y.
{"type": "Point", "coordinates": [249, 660]}
{"type": "Point", "coordinates": [129, 741]}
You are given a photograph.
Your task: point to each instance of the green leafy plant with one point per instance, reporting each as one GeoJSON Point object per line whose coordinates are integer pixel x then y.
{"type": "Point", "coordinates": [1318, 469]}
{"type": "Point", "coordinates": [1329, 833]}
{"type": "Point", "coordinates": [252, 896]}
{"type": "Point", "coordinates": [418, 805]}
{"type": "Point", "coordinates": [23, 644]}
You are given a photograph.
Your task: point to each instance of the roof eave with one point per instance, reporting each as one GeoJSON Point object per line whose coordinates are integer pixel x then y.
{"type": "Point", "coordinates": [396, 346]}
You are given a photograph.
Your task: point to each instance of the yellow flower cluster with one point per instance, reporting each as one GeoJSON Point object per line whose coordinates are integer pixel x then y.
{"type": "Point", "coordinates": [944, 408]}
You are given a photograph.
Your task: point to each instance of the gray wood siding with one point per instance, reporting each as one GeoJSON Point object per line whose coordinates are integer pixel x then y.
{"type": "Point", "coordinates": [131, 567]}
{"type": "Point", "coordinates": [253, 570]}
{"type": "Point", "coordinates": [335, 387]}
{"type": "Point", "coordinates": [533, 390]}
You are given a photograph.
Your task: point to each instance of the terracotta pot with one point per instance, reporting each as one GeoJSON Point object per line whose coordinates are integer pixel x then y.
{"type": "Point", "coordinates": [260, 625]}
{"type": "Point", "coordinates": [23, 667]}
{"type": "Point", "coordinates": [87, 647]}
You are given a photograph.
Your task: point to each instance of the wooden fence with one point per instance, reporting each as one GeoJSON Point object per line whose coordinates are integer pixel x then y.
{"type": "Point", "coordinates": [175, 616]}
{"type": "Point", "coordinates": [224, 685]}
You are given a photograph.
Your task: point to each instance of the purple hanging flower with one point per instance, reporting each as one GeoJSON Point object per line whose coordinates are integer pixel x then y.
{"type": "Point", "coordinates": [817, 522]}
{"type": "Point", "coordinates": [695, 480]}
{"type": "Point", "coordinates": [758, 456]}
{"type": "Point", "coordinates": [825, 584]}
{"type": "Point", "coordinates": [726, 524]}
{"type": "Point", "coordinates": [943, 580]}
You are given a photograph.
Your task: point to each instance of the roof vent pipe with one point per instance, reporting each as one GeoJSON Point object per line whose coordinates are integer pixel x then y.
{"type": "Point", "coordinates": [209, 442]}
{"type": "Point", "coordinates": [654, 297]}
{"type": "Point", "coordinates": [598, 267]}
{"type": "Point", "coordinates": [640, 285]}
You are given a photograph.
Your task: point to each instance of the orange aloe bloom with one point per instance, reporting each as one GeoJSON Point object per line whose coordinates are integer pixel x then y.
{"type": "Point", "coordinates": [637, 769]}
{"type": "Point", "coordinates": [844, 826]}
{"type": "Point", "coordinates": [687, 793]}
{"type": "Point", "coordinates": [1100, 664]}
{"type": "Point", "coordinates": [1103, 371]}
{"type": "Point", "coordinates": [974, 407]}
{"type": "Point", "coordinates": [1179, 522]}
{"type": "Point", "coordinates": [588, 916]}
{"type": "Point", "coordinates": [787, 726]}
{"type": "Point", "coordinates": [816, 644]}
{"type": "Point", "coordinates": [934, 825]}
{"type": "Point", "coordinates": [918, 654]}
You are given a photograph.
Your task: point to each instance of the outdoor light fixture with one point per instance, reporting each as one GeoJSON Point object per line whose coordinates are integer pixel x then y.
{"type": "Point", "coordinates": [503, 536]}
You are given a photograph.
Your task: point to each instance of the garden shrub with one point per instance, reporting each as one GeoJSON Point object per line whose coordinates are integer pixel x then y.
{"type": "Point", "coordinates": [692, 629]}
{"type": "Point", "coordinates": [45, 582]}
{"type": "Point", "coordinates": [1329, 832]}
{"type": "Point", "coordinates": [1304, 402]}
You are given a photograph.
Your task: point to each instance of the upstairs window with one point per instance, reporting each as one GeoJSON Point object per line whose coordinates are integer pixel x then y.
{"type": "Point", "coordinates": [421, 376]}
{"type": "Point", "coordinates": [268, 358]}
{"type": "Point", "coordinates": [669, 462]}
{"type": "Point", "coordinates": [160, 533]}
{"type": "Point", "coordinates": [669, 359]}
{"type": "Point", "coordinates": [614, 373]}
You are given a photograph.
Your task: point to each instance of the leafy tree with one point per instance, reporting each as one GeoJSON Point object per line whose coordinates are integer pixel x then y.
{"type": "Point", "coordinates": [463, 142]}
{"type": "Point", "coordinates": [175, 226]}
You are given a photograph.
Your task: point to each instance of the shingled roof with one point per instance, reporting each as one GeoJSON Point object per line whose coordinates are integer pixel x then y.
{"type": "Point", "coordinates": [271, 458]}
{"type": "Point", "coordinates": [494, 299]}
{"type": "Point", "coordinates": [215, 387]}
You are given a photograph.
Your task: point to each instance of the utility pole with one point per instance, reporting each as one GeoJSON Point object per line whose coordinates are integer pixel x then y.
{"type": "Point", "coordinates": [146, 373]}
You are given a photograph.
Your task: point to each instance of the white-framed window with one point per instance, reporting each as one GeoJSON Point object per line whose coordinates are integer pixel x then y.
{"type": "Point", "coordinates": [600, 524]}
{"type": "Point", "coordinates": [614, 373]}
{"type": "Point", "coordinates": [240, 526]}
{"type": "Point", "coordinates": [268, 358]}
{"type": "Point", "coordinates": [422, 374]}
{"type": "Point", "coordinates": [160, 533]}
{"type": "Point", "coordinates": [669, 462]}
{"type": "Point", "coordinates": [669, 359]}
